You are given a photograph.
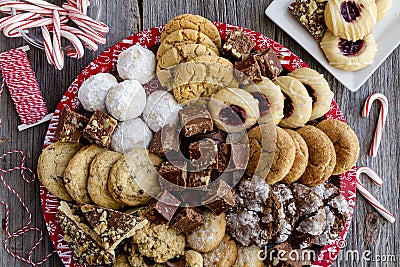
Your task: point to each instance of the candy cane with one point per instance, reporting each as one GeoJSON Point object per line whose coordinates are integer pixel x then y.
{"type": "Point", "coordinates": [371, 199]}
{"type": "Point", "coordinates": [77, 15]}
{"type": "Point", "coordinates": [13, 29]}
{"type": "Point", "coordinates": [44, 4]}
{"type": "Point", "coordinates": [57, 48]}
{"type": "Point", "coordinates": [48, 45]}
{"type": "Point", "coordinates": [381, 121]}
{"type": "Point", "coordinates": [81, 35]}
{"type": "Point", "coordinates": [78, 50]}
{"type": "Point", "coordinates": [17, 18]}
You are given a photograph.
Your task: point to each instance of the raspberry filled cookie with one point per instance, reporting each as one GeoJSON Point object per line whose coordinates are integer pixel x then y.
{"type": "Point", "coordinates": [348, 55]}
{"type": "Point", "coordinates": [318, 89]}
{"type": "Point", "coordinates": [351, 19]}
{"type": "Point", "coordinates": [298, 104]}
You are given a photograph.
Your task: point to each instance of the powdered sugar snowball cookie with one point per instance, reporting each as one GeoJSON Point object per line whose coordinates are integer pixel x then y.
{"type": "Point", "coordinates": [130, 134]}
{"type": "Point", "coordinates": [126, 100]}
{"type": "Point", "coordinates": [161, 109]}
{"type": "Point", "coordinates": [136, 63]}
{"type": "Point", "coordinates": [93, 92]}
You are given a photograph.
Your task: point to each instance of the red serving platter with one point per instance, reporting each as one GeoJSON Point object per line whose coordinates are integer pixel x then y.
{"type": "Point", "coordinates": [150, 38]}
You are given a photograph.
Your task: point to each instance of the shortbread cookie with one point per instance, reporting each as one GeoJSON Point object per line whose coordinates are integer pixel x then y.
{"type": "Point", "coordinates": [182, 37]}
{"type": "Point", "coordinates": [194, 22]}
{"type": "Point", "coordinates": [311, 217]}
{"type": "Point", "coordinates": [351, 20]}
{"type": "Point", "coordinates": [348, 55]}
{"type": "Point", "coordinates": [234, 109]}
{"type": "Point", "coordinates": [318, 89]}
{"type": "Point", "coordinates": [209, 235]}
{"type": "Point", "coordinates": [310, 14]}
{"type": "Point", "coordinates": [183, 53]}
{"type": "Point", "coordinates": [248, 257]}
{"type": "Point", "coordinates": [322, 156]}
{"type": "Point", "coordinates": [345, 141]}
{"type": "Point", "coordinates": [222, 256]}
{"type": "Point", "coordinates": [270, 101]}
{"type": "Point", "coordinates": [133, 178]}
{"type": "Point", "coordinates": [84, 242]}
{"type": "Point", "coordinates": [284, 156]}
{"type": "Point", "coordinates": [337, 211]}
{"type": "Point", "coordinates": [300, 160]}
{"type": "Point", "coordinates": [51, 166]}
{"type": "Point", "coordinates": [383, 7]}
{"type": "Point", "coordinates": [298, 104]}
{"type": "Point", "coordinates": [285, 197]}
{"type": "Point", "coordinates": [159, 242]}
{"type": "Point", "coordinates": [77, 173]}
{"type": "Point", "coordinates": [98, 179]}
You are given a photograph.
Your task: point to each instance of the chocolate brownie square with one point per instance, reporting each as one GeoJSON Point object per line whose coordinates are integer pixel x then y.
{"type": "Point", "coordinates": [187, 220]}
{"type": "Point", "coordinates": [220, 197]}
{"type": "Point", "coordinates": [162, 208]}
{"type": "Point", "coordinates": [232, 157]}
{"type": "Point", "coordinates": [165, 143]}
{"type": "Point", "coordinates": [269, 63]}
{"type": "Point", "coordinates": [199, 179]}
{"type": "Point", "coordinates": [70, 126]}
{"type": "Point", "coordinates": [248, 68]}
{"type": "Point", "coordinates": [100, 128]}
{"type": "Point", "coordinates": [175, 173]}
{"type": "Point", "coordinates": [195, 120]}
{"type": "Point", "coordinates": [237, 44]}
{"type": "Point", "coordinates": [203, 155]}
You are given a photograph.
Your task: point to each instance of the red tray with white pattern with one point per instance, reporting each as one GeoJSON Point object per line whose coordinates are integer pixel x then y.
{"type": "Point", "coordinates": [150, 38]}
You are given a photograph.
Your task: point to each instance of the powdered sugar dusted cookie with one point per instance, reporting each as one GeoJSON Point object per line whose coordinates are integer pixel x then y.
{"type": "Point", "coordinates": [130, 134]}
{"type": "Point", "coordinates": [126, 100]}
{"type": "Point", "coordinates": [223, 255]}
{"type": "Point", "coordinates": [285, 197]}
{"type": "Point", "coordinates": [161, 109]}
{"type": "Point", "coordinates": [136, 63]}
{"type": "Point", "coordinates": [248, 257]}
{"type": "Point", "coordinates": [337, 212]}
{"type": "Point", "coordinates": [93, 92]}
{"type": "Point", "coordinates": [311, 217]}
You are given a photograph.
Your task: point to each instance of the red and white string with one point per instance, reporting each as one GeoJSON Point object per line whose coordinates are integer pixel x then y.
{"type": "Point", "coordinates": [24, 89]}
{"type": "Point", "coordinates": [53, 20]}
{"type": "Point", "coordinates": [28, 226]}
{"type": "Point", "coordinates": [384, 105]}
{"type": "Point", "coordinates": [370, 198]}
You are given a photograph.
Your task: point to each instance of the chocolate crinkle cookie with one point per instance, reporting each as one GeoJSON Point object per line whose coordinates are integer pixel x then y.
{"type": "Point", "coordinates": [311, 217]}
{"type": "Point", "coordinates": [258, 213]}
{"type": "Point", "coordinates": [337, 211]}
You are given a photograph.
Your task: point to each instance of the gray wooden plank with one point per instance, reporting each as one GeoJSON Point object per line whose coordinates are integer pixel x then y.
{"type": "Point", "coordinates": [124, 20]}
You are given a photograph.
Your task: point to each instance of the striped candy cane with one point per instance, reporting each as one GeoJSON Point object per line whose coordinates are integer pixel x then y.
{"type": "Point", "coordinates": [371, 199]}
{"type": "Point", "coordinates": [381, 121]}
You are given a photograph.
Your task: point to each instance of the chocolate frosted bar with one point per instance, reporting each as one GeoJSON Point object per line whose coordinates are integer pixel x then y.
{"type": "Point", "coordinates": [220, 197]}
{"type": "Point", "coordinates": [310, 14]}
{"type": "Point", "coordinates": [163, 208]}
{"type": "Point", "coordinates": [203, 155]}
{"type": "Point", "coordinates": [237, 44]}
{"type": "Point", "coordinates": [195, 120]}
{"type": "Point", "coordinates": [70, 126]}
{"type": "Point", "coordinates": [166, 143]}
{"type": "Point", "coordinates": [187, 220]}
{"type": "Point", "coordinates": [100, 128]}
{"type": "Point", "coordinates": [175, 173]}
{"type": "Point", "coordinates": [248, 68]}
{"type": "Point", "coordinates": [269, 62]}
{"type": "Point", "coordinates": [199, 179]}
{"type": "Point", "coordinates": [232, 157]}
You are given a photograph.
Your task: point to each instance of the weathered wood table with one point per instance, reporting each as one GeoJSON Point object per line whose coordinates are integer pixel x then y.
{"type": "Point", "coordinates": [369, 232]}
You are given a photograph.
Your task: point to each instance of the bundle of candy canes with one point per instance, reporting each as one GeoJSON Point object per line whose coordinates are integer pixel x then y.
{"type": "Point", "coordinates": [53, 21]}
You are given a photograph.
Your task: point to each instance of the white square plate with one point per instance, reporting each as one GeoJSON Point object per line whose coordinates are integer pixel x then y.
{"type": "Point", "coordinates": [386, 33]}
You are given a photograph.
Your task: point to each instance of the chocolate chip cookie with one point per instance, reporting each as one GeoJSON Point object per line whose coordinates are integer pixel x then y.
{"type": "Point", "coordinates": [51, 166]}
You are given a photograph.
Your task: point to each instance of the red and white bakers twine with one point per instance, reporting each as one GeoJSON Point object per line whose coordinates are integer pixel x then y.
{"type": "Point", "coordinates": [371, 199]}
{"type": "Point", "coordinates": [24, 89]}
{"type": "Point", "coordinates": [27, 227]}
{"type": "Point", "coordinates": [53, 20]}
{"type": "Point", "coordinates": [381, 121]}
